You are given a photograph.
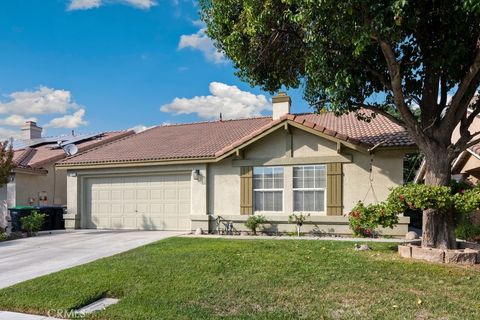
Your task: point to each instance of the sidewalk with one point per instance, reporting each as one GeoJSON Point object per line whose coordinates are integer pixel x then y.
{"type": "Point", "coordinates": [6, 315]}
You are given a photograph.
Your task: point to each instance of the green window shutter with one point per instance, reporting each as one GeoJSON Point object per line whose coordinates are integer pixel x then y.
{"type": "Point", "coordinates": [334, 189]}
{"type": "Point", "coordinates": [246, 190]}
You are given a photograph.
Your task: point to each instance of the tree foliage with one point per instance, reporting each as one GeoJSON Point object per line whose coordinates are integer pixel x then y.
{"type": "Point", "coordinates": [6, 162]}
{"type": "Point", "coordinates": [352, 54]}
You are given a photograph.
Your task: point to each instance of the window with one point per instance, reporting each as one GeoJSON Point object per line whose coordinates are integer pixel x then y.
{"type": "Point", "coordinates": [268, 189]}
{"type": "Point", "coordinates": [309, 185]}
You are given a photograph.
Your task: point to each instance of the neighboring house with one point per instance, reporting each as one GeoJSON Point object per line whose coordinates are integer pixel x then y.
{"type": "Point", "coordinates": [183, 177]}
{"type": "Point", "coordinates": [34, 181]}
{"type": "Point", "coordinates": [467, 164]}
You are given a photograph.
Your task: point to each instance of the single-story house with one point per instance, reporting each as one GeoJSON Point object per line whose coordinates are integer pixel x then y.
{"type": "Point", "coordinates": [34, 181]}
{"type": "Point", "coordinates": [194, 175]}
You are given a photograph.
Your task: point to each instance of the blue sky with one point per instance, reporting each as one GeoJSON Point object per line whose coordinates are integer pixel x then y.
{"type": "Point", "coordinates": [94, 65]}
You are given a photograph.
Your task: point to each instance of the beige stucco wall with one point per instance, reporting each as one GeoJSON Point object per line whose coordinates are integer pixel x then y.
{"type": "Point", "coordinates": [471, 169]}
{"type": "Point", "coordinates": [474, 127]}
{"type": "Point", "coordinates": [30, 185]}
{"type": "Point", "coordinates": [26, 185]}
{"type": "Point", "coordinates": [358, 183]}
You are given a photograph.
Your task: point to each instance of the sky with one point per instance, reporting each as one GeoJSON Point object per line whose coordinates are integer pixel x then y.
{"type": "Point", "coordinates": [102, 65]}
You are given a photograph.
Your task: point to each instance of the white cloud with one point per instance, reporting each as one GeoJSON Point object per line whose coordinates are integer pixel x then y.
{"type": "Point", "coordinates": [6, 134]}
{"type": "Point", "coordinates": [16, 120]}
{"type": "Point", "coordinates": [139, 128]}
{"type": "Point", "coordinates": [200, 41]}
{"type": "Point", "coordinates": [46, 103]}
{"type": "Point", "coordinates": [43, 100]}
{"type": "Point", "coordinates": [84, 4]}
{"type": "Point", "coordinates": [69, 121]}
{"type": "Point", "coordinates": [228, 100]}
{"type": "Point", "coordinates": [92, 4]}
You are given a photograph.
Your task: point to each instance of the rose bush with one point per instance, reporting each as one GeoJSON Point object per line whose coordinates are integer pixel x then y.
{"type": "Point", "coordinates": [460, 197]}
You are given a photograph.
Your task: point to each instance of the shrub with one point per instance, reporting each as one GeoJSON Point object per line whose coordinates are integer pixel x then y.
{"type": "Point", "coordinates": [3, 236]}
{"type": "Point", "coordinates": [254, 221]}
{"type": "Point", "coordinates": [364, 220]}
{"type": "Point", "coordinates": [32, 223]}
{"type": "Point", "coordinates": [465, 230]}
{"type": "Point", "coordinates": [298, 219]}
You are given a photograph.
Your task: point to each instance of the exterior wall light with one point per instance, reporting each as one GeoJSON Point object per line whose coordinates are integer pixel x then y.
{"type": "Point", "coordinates": [72, 174]}
{"type": "Point", "coordinates": [196, 174]}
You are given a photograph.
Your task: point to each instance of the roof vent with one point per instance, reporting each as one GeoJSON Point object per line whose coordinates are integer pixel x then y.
{"type": "Point", "coordinates": [281, 105]}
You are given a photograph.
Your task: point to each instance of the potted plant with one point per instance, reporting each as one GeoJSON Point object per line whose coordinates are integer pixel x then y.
{"type": "Point", "coordinates": [298, 219]}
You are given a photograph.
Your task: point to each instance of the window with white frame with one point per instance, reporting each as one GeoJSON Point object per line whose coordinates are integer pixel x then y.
{"type": "Point", "coordinates": [309, 188]}
{"type": "Point", "coordinates": [268, 189]}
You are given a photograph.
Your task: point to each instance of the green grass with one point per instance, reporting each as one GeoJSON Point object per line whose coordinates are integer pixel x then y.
{"type": "Point", "coordinates": [188, 278]}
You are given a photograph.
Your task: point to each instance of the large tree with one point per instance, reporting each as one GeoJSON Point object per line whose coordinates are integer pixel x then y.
{"type": "Point", "coordinates": [353, 55]}
{"type": "Point", "coordinates": [6, 162]}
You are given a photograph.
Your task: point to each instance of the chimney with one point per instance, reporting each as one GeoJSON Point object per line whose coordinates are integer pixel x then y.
{"type": "Point", "coordinates": [31, 131]}
{"type": "Point", "coordinates": [281, 105]}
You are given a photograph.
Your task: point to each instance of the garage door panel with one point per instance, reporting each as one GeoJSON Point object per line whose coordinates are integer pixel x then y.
{"type": "Point", "coordinates": [104, 208]}
{"type": "Point", "coordinates": [143, 194]}
{"type": "Point", "coordinates": [117, 208]}
{"type": "Point", "coordinates": [117, 223]}
{"type": "Point", "coordinates": [157, 209]}
{"type": "Point", "coordinates": [130, 222]}
{"type": "Point", "coordinates": [129, 208]}
{"type": "Point", "coordinates": [128, 194]}
{"type": "Point", "coordinates": [143, 208]}
{"type": "Point", "coordinates": [104, 195]}
{"type": "Point", "coordinates": [117, 195]}
{"type": "Point", "coordinates": [171, 195]}
{"type": "Point", "coordinates": [160, 202]}
{"type": "Point", "coordinates": [184, 209]}
{"type": "Point", "coordinates": [156, 194]}
{"type": "Point", "coordinates": [183, 195]}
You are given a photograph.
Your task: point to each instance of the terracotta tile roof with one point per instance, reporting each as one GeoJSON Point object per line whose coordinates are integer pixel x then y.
{"type": "Point", "coordinates": [35, 158]}
{"type": "Point", "coordinates": [215, 138]}
{"type": "Point", "coordinates": [348, 127]}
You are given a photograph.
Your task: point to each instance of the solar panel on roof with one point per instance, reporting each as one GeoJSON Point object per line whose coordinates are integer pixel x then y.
{"type": "Point", "coordinates": [79, 138]}
{"type": "Point", "coordinates": [22, 144]}
{"type": "Point", "coordinates": [31, 143]}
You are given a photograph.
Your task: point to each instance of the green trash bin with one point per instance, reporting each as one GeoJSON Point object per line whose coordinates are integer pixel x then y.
{"type": "Point", "coordinates": [18, 212]}
{"type": "Point", "coordinates": [53, 216]}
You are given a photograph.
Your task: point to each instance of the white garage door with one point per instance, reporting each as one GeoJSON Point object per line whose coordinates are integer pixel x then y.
{"type": "Point", "coordinates": [156, 202]}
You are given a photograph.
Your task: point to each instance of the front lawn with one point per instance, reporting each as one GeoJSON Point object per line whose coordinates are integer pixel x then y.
{"type": "Point", "coordinates": [189, 278]}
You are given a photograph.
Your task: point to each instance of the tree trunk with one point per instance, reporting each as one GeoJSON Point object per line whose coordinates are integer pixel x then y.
{"type": "Point", "coordinates": [438, 227]}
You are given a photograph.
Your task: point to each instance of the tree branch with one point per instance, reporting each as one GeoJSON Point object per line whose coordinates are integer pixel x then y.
{"type": "Point", "coordinates": [396, 83]}
{"type": "Point", "coordinates": [380, 77]}
{"type": "Point", "coordinates": [473, 142]}
{"type": "Point", "coordinates": [471, 79]}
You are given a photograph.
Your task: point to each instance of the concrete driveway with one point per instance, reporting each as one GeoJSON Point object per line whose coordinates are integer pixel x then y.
{"type": "Point", "coordinates": [29, 258]}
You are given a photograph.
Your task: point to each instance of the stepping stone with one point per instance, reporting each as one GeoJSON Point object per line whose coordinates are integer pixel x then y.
{"type": "Point", "coordinates": [98, 305]}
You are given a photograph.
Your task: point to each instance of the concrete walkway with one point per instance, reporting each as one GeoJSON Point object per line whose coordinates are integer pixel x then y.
{"type": "Point", "coordinates": [6, 315]}
{"type": "Point", "coordinates": [28, 258]}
